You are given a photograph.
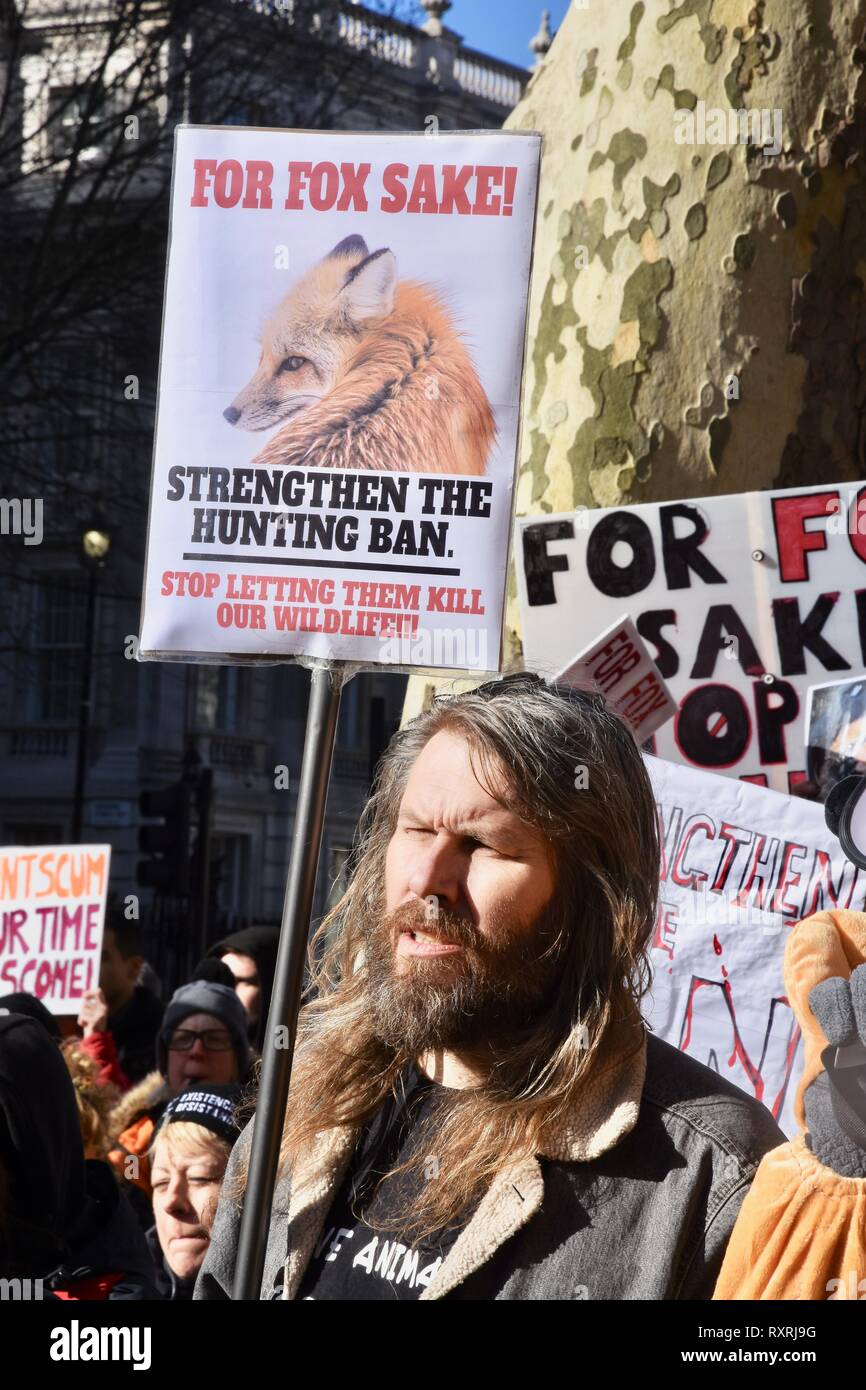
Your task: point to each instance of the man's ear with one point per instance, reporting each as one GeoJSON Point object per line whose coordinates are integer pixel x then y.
{"type": "Point", "coordinates": [368, 290]}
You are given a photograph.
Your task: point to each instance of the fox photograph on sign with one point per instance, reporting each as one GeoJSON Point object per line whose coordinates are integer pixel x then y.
{"type": "Point", "coordinates": [336, 438]}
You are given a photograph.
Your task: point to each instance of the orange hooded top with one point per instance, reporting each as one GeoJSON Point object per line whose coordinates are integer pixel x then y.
{"type": "Point", "coordinates": [801, 1231]}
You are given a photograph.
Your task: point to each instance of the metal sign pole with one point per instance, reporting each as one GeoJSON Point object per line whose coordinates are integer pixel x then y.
{"type": "Point", "coordinates": [325, 691]}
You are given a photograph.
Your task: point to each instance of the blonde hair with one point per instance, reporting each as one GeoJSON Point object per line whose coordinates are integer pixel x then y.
{"type": "Point", "coordinates": [184, 1137]}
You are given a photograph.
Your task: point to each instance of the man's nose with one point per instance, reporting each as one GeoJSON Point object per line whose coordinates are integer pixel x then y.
{"type": "Point", "coordinates": [439, 872]}
{"type": "Point", "coordinates": [198, 1047]}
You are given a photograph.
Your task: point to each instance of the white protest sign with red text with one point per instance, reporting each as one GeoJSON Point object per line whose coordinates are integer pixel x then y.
{"type": "Point", "coordinates": [745, 601]}
{"type": "Point", "coordinates": [52, 913]}
{"type": "Point", "coordinates": [339, 390]}
{"type": "Point", "coordinates": [741, 865]}
{"type": "Point", "coordinates": [620, 667]}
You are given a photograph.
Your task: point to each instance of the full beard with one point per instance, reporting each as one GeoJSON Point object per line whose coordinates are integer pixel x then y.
{"type": "Point", "coordinates": [488, 993]}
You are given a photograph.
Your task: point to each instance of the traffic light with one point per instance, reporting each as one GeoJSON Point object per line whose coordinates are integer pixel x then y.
{"type": "Point", "coordinates": [168, 871]}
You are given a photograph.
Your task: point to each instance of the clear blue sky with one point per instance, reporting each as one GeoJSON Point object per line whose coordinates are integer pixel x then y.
{"type": "Point", "coordinates": [501, 28]}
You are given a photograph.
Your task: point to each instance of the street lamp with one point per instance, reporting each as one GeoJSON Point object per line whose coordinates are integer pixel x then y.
{"type": "Point", "coordinates": [95, 544]}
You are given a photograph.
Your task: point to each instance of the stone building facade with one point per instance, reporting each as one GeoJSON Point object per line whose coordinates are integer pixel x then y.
{"type": "Point", "coordinates": [246, 723]}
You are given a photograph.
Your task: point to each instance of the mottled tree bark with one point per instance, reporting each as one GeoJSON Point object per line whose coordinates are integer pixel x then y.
{"type": "Point", "coordinates": [698, 313]}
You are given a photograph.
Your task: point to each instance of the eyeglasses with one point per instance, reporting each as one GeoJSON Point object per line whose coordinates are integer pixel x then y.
{"type": "Point", "coordinates": [213, 1040]}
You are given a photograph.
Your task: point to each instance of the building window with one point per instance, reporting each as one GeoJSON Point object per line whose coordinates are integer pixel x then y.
{"type": "Point", "coordinates": [230, 860]}
{"type": "Point", "coordinates": [219, 695]}
{"type": "Point", "coordinates": [67, 114]}
{"type": "Point", "coordinates": [33, 833]}
{"type": "Point", "coordinates": [289, 690]}
{"type": "Point", "coordinates": [86, 120]}
{"type": "Point", "coordinates": [339, 870]}
{"type": "Point", "coordinates": [58, 641]}
{"type": "Point", "coordinates": [349, 723]}
{"type": "Point", "coordinates": [65, 118]}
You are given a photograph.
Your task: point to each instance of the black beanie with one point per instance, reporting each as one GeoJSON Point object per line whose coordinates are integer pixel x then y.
{"type": "Point", "coordinates": [261, 943]}
{"type": "Point", "coordinates": [204, 997]}
{"type": "Point", "coordinates": [213, 1107]}
{"type": "Point", "coordinates": [30, 1007]}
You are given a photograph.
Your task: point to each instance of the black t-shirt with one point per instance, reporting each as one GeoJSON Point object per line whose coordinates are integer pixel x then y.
{"type": "Point", "coordinates": [354, 1261]}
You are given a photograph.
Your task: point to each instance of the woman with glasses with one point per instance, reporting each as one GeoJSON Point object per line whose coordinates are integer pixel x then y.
{"type": "Point", "coordinates": [203, 1040]}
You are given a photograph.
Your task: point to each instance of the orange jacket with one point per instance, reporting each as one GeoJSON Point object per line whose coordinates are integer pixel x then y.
{"type": "Point", "coordinates": [801, 1231]}
{"type": "Point", "coordinates": [132, 1144]}
{"type": "Point", "coordinates": [131, 1127]}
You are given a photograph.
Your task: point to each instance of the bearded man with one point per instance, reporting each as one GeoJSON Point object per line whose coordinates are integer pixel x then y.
{"type": "Point", "coordinates": [477, 1110]}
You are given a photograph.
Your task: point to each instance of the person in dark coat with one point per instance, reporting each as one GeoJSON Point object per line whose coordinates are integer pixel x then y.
{"type": "Point", "coordinates": [134, 1012]}
{"type": "Point", "coordinates": [63, 1219]}
{"type": "Point", "coordinates": [32, 1007]}
{"type": "Point", "coordinates": [251, 955]}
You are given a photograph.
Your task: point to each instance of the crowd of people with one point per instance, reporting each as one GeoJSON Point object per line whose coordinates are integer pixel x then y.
{"type": "Point", "coordinates": [478, 1109]}
{"type": "Point", "coordinates": [114, 1138]}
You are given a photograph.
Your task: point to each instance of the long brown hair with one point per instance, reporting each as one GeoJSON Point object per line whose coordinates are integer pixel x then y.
{"type": "Point", "coordinates": [574, 771]}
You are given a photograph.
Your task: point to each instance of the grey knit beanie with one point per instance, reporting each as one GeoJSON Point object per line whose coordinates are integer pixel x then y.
{"type": "Point", "coordinates": [205, 997]}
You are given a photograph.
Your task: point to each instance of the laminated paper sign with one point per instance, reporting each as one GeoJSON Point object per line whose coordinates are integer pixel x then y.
{"type": "Point", "coordinates": [740, 867]}
{"type": "Point", "coordinates": [336, 438]}
{"type": "Point", "coordinates": [835, 732]}
{"type": "Point", "coordinates": [52, 912]}
{"type": "Point", "coordinates": [745, 601]}
{"type": "Point", "coordinates": [619, 666]}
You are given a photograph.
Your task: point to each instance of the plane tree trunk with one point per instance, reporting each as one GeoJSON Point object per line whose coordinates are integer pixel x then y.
{"type": "Point", "coordinates": [698, 313]}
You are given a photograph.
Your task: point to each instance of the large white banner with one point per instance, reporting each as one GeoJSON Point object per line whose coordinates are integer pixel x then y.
{"type": "Point", "coordinates": [740, 867]}
{"type": "Point", "coordinates": [745, 601]}
{"type": "Point", "coordinates": [339, 389]}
